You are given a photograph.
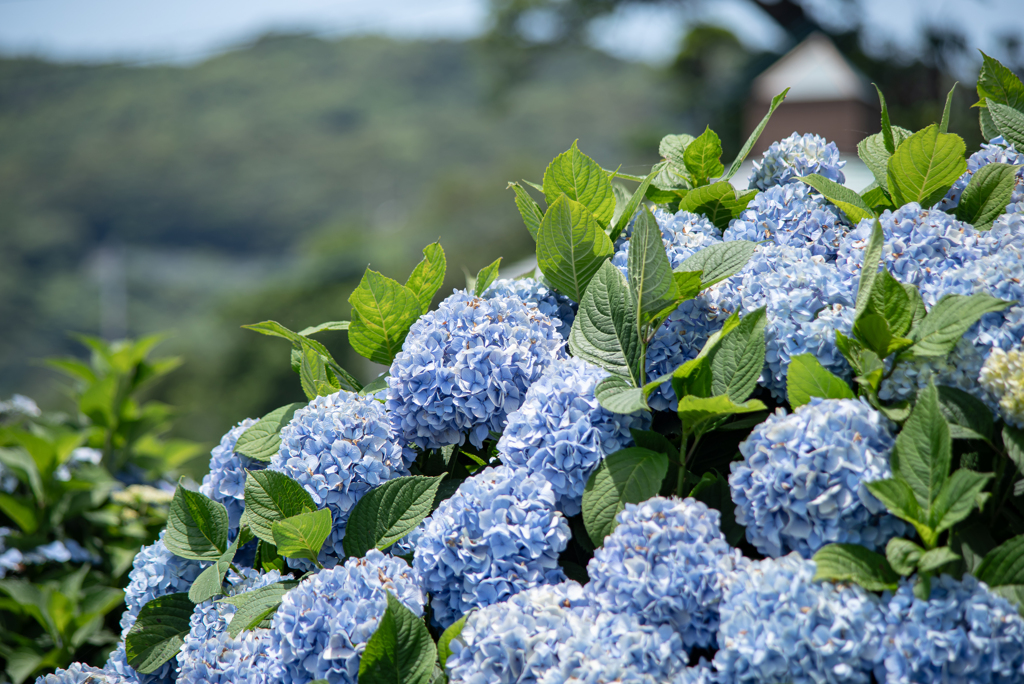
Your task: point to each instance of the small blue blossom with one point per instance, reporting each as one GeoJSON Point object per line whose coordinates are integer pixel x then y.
{"type": "Point", "coordinates": [322, 626]}
{"type": "Point", "coordinates": [789, 215]}
{"type": "Point", "coordinates": [225, 482]}
{"type": "Point", "coordinates": [80, 673]}
{"type": "Point", "coordinates": [556, 306]}
{"type": "Point", "coordinates": [796, 156]}
{"type": "Point", "coordinates": [561, 433]}
{"type": "Point", "coordinates": [801, 486]}
{"type": "Point", "coordinates": [995, 151]}
{"type": "Point", "coordinates": [664, 564]}
{"type": "Point", "coordinates": [338, 448]}
{"type": "Point", "coordinates": [963, 634]}
{"type": "Point", "coordinates": [779, 625]}
{"type": "Point", "coordinates": [499, 534]}
{"type": "Point", "coordinates": [464, 367]}
{"type": "Point", "coordinates": [209, 654]}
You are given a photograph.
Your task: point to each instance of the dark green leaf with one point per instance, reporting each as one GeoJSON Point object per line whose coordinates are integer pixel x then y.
{"type": "Point", "coordinates": [21, 511]}
{"type": "Point", "coordinates": [897, 496]}
{"type": "Point", "coordinates": [388, 512]}
{"type": "Point", "coordinates": [655, 441]}
{"type": "Point", "coordinates": [605, 330]}
{"type": "Point", "coordinates": [957, 498]}
{"type": "Point", "coordinates": [197, 526]}
{"type": "Point", "coordinates": [428, 276]}
{"type": "Point", "coordinates": [252, 607]}
{"type": "Point", "coordinates": [271, 496]}
{"type": "Point", "coordinates": [939, 331]}
{"type": "Point", "coordinates": [374, 386]}
{"type": "Point", "coordinates": [400, 651]}
{"type": "Point", "coordinates": [650, 273]}
{"type": "Point", "coordinates": [633, 204]}
{"type": "Point", "coordinates": [631, 475]}
{"type": "Point", "coordinates": [869, 271]}
{"type": "Point", "coordinates": [159, 632]}
{"type": "Point", "coordinates": [262, 440]}
{"type": "Point", "coordinates": [1004, 564]}
{"type": "Point", "coordinates": [925, 166]}
{"type": "Point", "coordinates": [302, 535]}
{"type": "Point", "coordinates": [987, 194]}
{"type": "Point", "coordinates": [382, 312]}
{"type": "Point", "coordinates": [444, 649]}
{"type": "Point", "coordinates": [848, 201]}
{"type": "Point", "coordinates": [999, 84]}
{"type": "Point", "coordinates": [702, 157]}
{"type": "Point", "coordinates": [752, 140]}
{"type": "Point", "coordinates": [571, 247]}
{"type": "Point", "coordinates": [737, 364]}
{"type": "Point", "coordinates": [903, 555]}
{"type": "Point", "coordinates": [616, 394]}
{"type": "Point", "coordinates": [1013, 440]}
{"type": "Point", "coordinates": [210, 582]}
{"type": "Point", "coordinates": [528, 209]}
{"type": "Point", "coordinates": [855, 563]}
{"type": "Point", "coordinates": [960, 408]}
{"type": "Point", "coordinates": [807, 378]}
{"type": "Point", "coordinates": [923, 450]}
{"type": "Point", "coordinates": [486, 276]}
{"type": "Point", "coordinates": [719, 261]}
{"type": "Point", "coordinates": [932, 560]}
{"type": "Point", "coordinates": [582, 180]}
{"type": "Point", "coordinates": [713, 490]}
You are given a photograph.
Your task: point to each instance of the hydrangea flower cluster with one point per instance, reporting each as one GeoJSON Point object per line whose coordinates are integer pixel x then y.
{"type": "Point", "coordinates": [1002, 377]}
{"type": "Point", "coordinates": [155, 572]}
{"type": "Point", "coordinates": [209, 654]}
{"type": "Point", "coordinates": [996, 151]}
{"type": "Point", "coordinates": [322, 626]}
{"type": "Point", "coordinates": [790, 214]}
{"type": "Point", "coordinates": [779, 625]}
{"type": "Point", "coordinates": [499, 534]}
{"type": "Point", "coordinates": [79, 673]}
{"type": "Point", "coordinates": [553, 304]}
{"type": "Point", "coordinates": [226, 480]}
{"type": "Point", "coordinates": [800, 484]}
{"type": "Point", "coordinates": [338, 448]}
{"type": "Point", "coordinates": [664, 564]}
{"type": "Point", "coordinates": [466, 366]}
{"type": "Point", "coordinates": [796, 156]}
{"type": "Point", "coordinates": [963, 634]}
{"type": "Point", "coordinates": [561, 433]}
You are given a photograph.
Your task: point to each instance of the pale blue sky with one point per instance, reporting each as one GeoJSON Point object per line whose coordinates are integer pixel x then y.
{"type": "Point", "coordinates": [188, 30]}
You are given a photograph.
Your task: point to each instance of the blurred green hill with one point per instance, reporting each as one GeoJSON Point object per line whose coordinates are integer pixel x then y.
{"type": "Point", "coordinates": [260, 183]}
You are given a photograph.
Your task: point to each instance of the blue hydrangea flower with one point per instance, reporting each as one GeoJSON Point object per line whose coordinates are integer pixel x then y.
{"type": "Point", "coordinates": [789, 215]}
{"type": "Point", "coordinates": [322, 626]}
{"type": "Point", "coordinates": [561, 433]}
{"type": "Point", "coordinates": [464, 367]}
{"type": "Point", "coordinates": [338, 448]}
{"type": "Point", "coordinates": [499, 534]}
{"type": "Point", "coordinates": [997, 150]}
{"type": "Point", "coordinates": [801, 486]}
{"type": "Point", "coordinates": [664, 564]}
{"type": "Point", "coordinates": [155, 572]}
{"type": "Point", "coordinates": [963, 634]}
{"type": "Point", "coordinates": [796, 156]}
{"type": "Point", "coordinates": [779, 625]}
{"type": "Point", "coordinates": [516, 641]}
{"type": "Point", "coordinates": [556, 306]}
{"type": "Point", "coordinates": [66, 551]}
{"type": "Point", "coordinates": [80, 673]}
{"type": "Point", "coordinates": [226, 480]}
{"type": "Point", "coordinates": [209, 654]}
{"type": "Point", "coordinates": [921, 245]}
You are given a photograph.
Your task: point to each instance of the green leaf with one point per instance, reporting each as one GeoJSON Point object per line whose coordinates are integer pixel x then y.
{"type": "Point", "coordinates": [916, 304]}
{"type": "Point", "coordinates": [388, 512]}
{"type": "Point", "coordinates": [887, 134]}
{"type": "Point", "coordinates": [697, 412]}
{"type": "Point", "coordinates": [313, 372]}
{"type": "Point", "coordinates": [616, 394]}
{"type": "Point", "coordinates": [571, 247]}
{"type": "Point", "coordinates": [376, 385]}
{"type": "Point", "coordinates": [737, 364]}
{"type": "Point", "coordinates": [262, 440]}
{"type": "Point", "coordinates": [655, 441]}
{"type": "Point", "coordinates": [210, 582]}
{"type": "Point", "coordinates": [752, 140]}
{"type": "Point", "coordinates": [695, 376]}
{"type": "Point", "coordinates": [719, 261]}
{"type": "Point", "coordinates": [848, 201]}
{"type": "Point", "coordinates": [923, 451]}
{"type": "Point", "coordinates": [20, 511]}
{"type": "Point", "coordinates": [300, 342]}
{"type": "Point", "coordinates": [873, 332]}
{"type": "Point", "coordinates": [401, 650]}
{"type": "Point", "coordinates": [932, 560]}
{"type": "Point", "coordinates": [807, 378]}
{"type": "Point", "coordinates": [428, 276]}
{"type": "Point", "coordinates": [673, 148]}
{"type": "Point", "coordinates": [633, 204]}
{"type": "Point", "coordinates": [718, 202]}
{"type": "Point", "coordinates": [631, 475]}
{"type": "Point", "coordinates": [944, 124]}
{"type": "Point", "coordinates": [605, 330]}
{"type": "Point", "coordinates": [987, 194]}
{"type": "Point", "coordinates": [855, 563]}
{"type": "Point", "coordinates": [159, 632]}
{"type": "Point", "coordinates": [688, 284]}
{"type": "Point", "coordinates": [939, 331]}
{"type": "Point", "coordinates": [270, 497]}
{"type": "Point", "coordinates": [957, 498]}
{"type": "Point", "coordinates": [650, 273]}
{"type": "Point", "coordinates": [444, 648]}
{"type": "Point", "coordinates": [925, 166]}
{"type": "Point", "coordinates": [382, 312]}
{"type": "Point", "coordinates": [876, 198]}
{"type": "Point", "coordinates": [1003, 565]}
{"type": "Point", "coordinates": [898, 497]}
{"type": "Point", "coordinates": [903, 555]}
{"type": "Point", "coordinates": [197, 526]}
{"type": "Point", "coordinates": [323, 327]}
{"type": "Point", "coordinates": [962, 409]}
{"type": "Point", "coordinates": [702, 157]}
{"type": "Point", "coordinates": [987, 125]}
{"type": "Point", "coordinates": [302, 535]}
{"type": "Point", "coordinates": [252, 607]}
{"type": "Point", "coordinates": [486, 276]}
{"type": "Point", "coordinates": [1013, 440]}
{"type": "Point", "coordinates": [582, 180]}
{"type": "Point", "coordinates": [869, 270]}
{"type": "Point", "coordinates": [873, 153]}
{"type": "Point", "coordinates": [999, 84]}
{"type": "Point", "coordinates": [528, 209]}
{"type": "Point", "coordinates": [713, 490]}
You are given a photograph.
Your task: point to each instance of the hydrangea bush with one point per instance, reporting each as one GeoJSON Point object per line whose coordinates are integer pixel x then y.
{"type": "Point", "coordinates": [717, 436]}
